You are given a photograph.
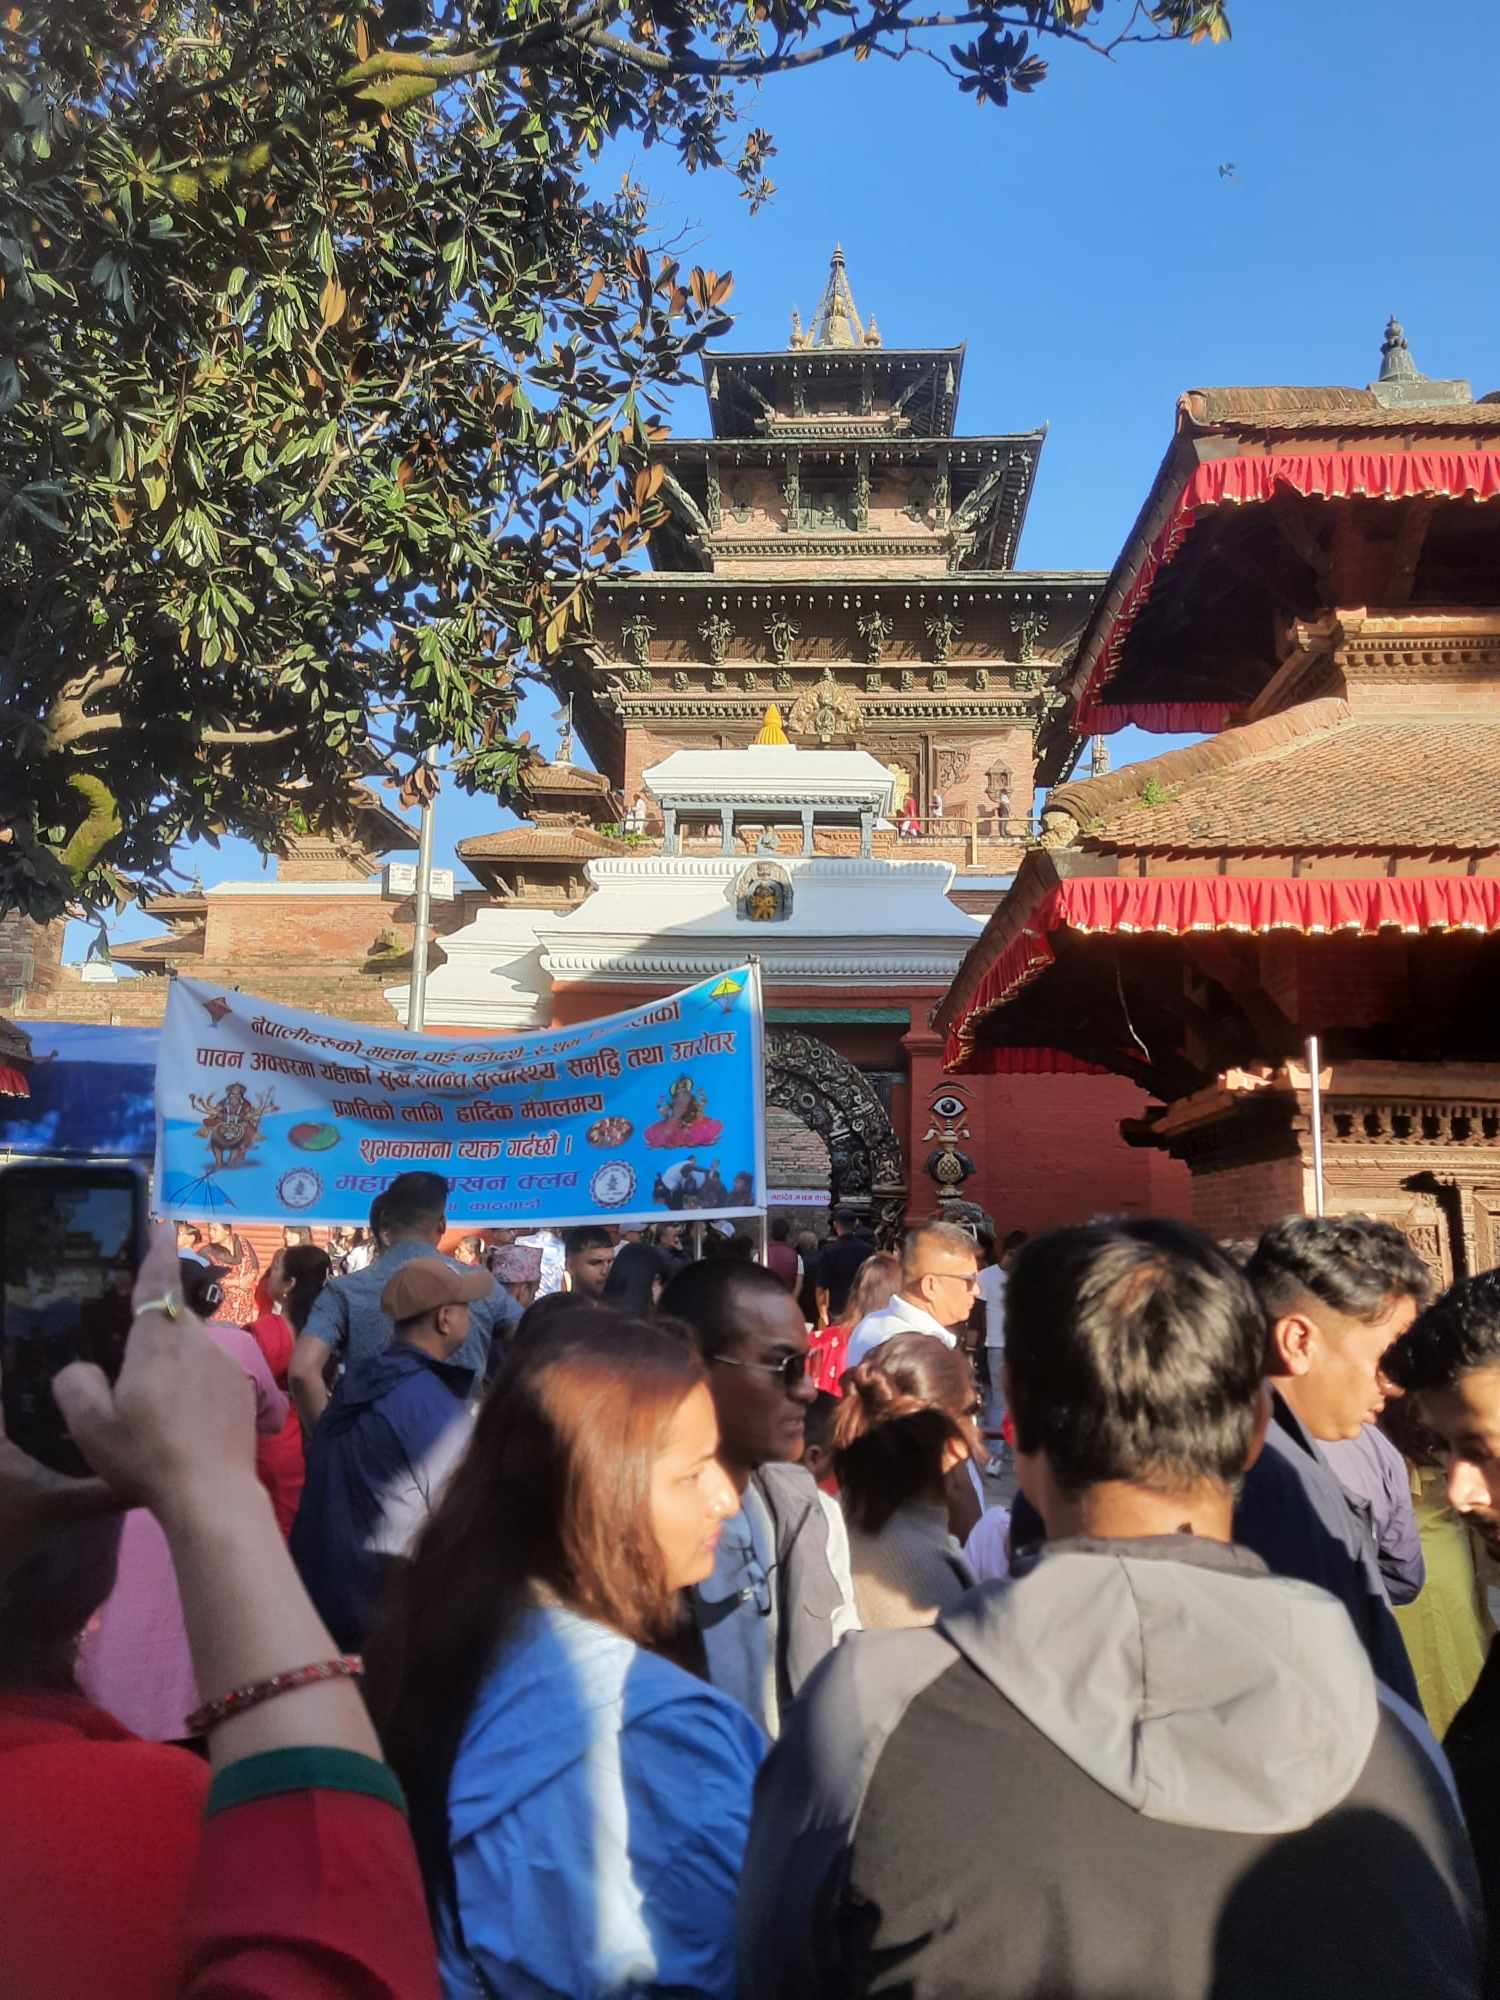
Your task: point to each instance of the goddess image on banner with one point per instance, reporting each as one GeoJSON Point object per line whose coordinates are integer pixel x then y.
{"type": "Point", "coordinates": [269, 1114]}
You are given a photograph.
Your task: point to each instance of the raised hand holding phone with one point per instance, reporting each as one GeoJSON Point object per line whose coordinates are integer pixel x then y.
{"type": "Point", "coordinates": [178, 1421]}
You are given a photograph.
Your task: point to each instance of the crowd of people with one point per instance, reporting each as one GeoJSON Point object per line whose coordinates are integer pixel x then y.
{"type": "Point", "coordinates": [1075, 1618]}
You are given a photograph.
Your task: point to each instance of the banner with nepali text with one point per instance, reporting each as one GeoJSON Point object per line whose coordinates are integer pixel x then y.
{"type": "Point", "coordinates": [270, 1114]}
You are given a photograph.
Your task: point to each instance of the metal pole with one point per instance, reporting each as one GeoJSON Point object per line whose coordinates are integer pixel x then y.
{"type": "Point", "coordinates": [416, 992]}
{"type": "Point", "coordinates": [1316, 1088]}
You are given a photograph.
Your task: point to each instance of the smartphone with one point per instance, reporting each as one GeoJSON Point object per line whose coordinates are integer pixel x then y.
{"type": "Point", "coordinates": [71, 1242]}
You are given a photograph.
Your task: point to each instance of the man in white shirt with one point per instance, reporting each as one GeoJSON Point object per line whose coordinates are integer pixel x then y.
{"type": "Point", "coordinates": [992, 1291]}
{"type": "Point", "coordinates": [939, 1277]}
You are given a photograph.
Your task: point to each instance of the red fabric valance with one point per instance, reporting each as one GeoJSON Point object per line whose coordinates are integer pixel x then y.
{"type": "Point", "coordinates": [1162, 718]}
{"type": "Point", "coordinates": [1330, 475]}
{"type": "Point", "coordinates": [992, 1059]}
{"type": "Point", "coordinates": [13, 1082]}
{"type": "Point", "coordinates": [1131, 905]}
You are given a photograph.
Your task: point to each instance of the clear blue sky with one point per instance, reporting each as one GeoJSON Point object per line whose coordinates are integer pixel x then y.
{"type": "Point", "coordinates": [1085, 246]}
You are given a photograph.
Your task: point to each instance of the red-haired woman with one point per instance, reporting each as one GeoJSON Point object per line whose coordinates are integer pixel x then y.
{"type": "Point", "coordinates": [902, 1444]}
{"type": "Point", "coordinates": [580, 1803]}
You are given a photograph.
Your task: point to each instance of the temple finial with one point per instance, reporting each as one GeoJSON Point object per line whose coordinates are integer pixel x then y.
{"type": "Point", "coordinates": [836, 323]}
{"type": "Point", "coordinates": [872, 333]}
{"type": "Point", "coordinates": [798, 337]}
{"type": "Point", "coordinates": [772, 736]}
{"type": "Point", "coordinates": [1396, 363]}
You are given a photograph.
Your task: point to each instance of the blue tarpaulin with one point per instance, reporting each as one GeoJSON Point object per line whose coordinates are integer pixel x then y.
{"type": "Point", "coordinates": [92, 1095]}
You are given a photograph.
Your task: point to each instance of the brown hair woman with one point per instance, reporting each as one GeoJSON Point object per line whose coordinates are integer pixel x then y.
{"type": "Point", "coordinates": [902, 1442]}
{"type": "Point", "coordinates": [580, 1804]}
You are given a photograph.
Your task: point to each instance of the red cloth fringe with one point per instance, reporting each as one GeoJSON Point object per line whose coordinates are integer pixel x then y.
{"type": "Point", "coordinates": [1131, 905]}
{"type": "Point", "coordinates": [1330, 475]}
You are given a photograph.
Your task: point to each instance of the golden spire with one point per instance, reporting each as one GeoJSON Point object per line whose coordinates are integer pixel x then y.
{"type": "Point", "coordinates": [772, 735]}
{"type": "Point", "coordinates": [836, 323]}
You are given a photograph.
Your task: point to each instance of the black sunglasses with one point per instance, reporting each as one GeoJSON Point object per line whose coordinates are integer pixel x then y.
{"type": "Point", "coordinates": [792, 1368]}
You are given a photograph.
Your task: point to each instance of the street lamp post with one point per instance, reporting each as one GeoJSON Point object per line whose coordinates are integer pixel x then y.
{"type": "Point", "coordinates": [416, 992]}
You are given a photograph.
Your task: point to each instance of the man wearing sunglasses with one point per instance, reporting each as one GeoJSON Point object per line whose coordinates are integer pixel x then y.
{"type": "Point", "coordinates": [939, 1283]}
{"type": "Point", "coordinates": [781, 1594]}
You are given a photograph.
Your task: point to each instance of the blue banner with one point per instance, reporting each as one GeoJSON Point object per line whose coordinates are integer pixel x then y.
{"type": "Point", "coordinates": [269, 1114]}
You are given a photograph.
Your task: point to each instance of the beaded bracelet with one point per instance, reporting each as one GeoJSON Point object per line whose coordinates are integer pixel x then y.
{"type": "Point", "coordinates": [346, 1666]}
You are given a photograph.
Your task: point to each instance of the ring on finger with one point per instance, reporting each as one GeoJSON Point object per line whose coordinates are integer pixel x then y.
{"type": "Point", "coordinates": [172, 1303]}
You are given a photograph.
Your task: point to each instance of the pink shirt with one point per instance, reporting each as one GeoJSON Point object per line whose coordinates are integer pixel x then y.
{"type": "Point", "coordinates": [134, 1660]}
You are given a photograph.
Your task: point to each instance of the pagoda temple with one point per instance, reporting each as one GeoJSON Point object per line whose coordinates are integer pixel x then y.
{"type": "Point", "coordinates": [1315, 576]}
{"type": "Point", "coordinates": [834, 545]}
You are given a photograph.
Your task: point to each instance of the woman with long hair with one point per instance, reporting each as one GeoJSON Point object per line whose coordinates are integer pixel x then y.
{"type": "Point", "coordinates": [636, 1280]}
{"type": "Point", "coordinates": [902, 1443]}
{"type": "Point", "coordinates": [873, 1289]}
{"type": "Point", "coordinates": [580, 1804]}
{"type": "Point", "coordinates": [285, 1297]}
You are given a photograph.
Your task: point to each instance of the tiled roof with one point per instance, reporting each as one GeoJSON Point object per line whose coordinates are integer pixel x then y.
{"type": "Point", "coordinates": [160, 950]}
{"type": "Point", "coordinates": [1329, 409]}
{"type": "Point", "coordinates": [543, 778]}
{"type": "Point", "coordinates": [533, 843]}
{"type": "Point", "coordinates": [1317, 778]}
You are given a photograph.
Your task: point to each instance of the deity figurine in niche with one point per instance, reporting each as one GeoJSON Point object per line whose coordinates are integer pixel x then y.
{"type": "Point", "coordinates": [763, 893]}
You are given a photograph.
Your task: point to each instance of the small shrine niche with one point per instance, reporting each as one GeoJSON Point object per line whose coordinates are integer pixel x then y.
{"type": "Point", "coordinates": [763, 894]}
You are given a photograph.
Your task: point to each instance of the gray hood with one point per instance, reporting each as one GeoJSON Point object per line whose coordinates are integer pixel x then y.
{"type": "Point", "coordinates": [1183, 1677]}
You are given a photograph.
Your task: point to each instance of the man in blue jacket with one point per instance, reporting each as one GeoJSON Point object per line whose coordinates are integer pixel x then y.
{"type": "Point", "coordinates": [372, 1457]}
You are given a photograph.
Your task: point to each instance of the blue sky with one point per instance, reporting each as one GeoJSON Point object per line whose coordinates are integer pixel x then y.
{"type": "Point", "coordinates": [1085, 246]}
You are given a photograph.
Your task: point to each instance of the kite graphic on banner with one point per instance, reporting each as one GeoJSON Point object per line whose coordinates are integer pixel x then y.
{"type": "Point", "coordinates": [277, 1115]}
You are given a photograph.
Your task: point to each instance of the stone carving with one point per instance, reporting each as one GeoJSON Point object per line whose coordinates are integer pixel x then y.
{"type": "Point", "coordinates": [1059, 829]}
{"type": "Point", "coordinates": [635, 637]}
{"type": "Point", "coordinates": [940, 497]}
{"type": "Point", "coordinates": [840, 1104]}
{"type": "Point", "coordinates": [782, 682]}
{"type": "Point", "coordinates": [716, 632]}
{"type": "Point", "coordinates": [1026, 680]}
{"type": "Point", "coordinates": [751, 679]}
{"type": "Point", "coordinates": [718, 679]}
{"type": "Point", "coordinates": [942, 631]}
{"type": "Point", "coordinates": [681, 681]}
{"type": "Point", "coordinates": [713, 506]}
{"type": "Point", "coordinates": [638, 680]}
{"type": "Point", "coordinates": [1028, 630]}
{"type": "Point", "coordinates": [908, 680]}
{"type": "Point", "coordinates": [826, 710]}
{"type": "Point", "coordinates": [872, 683]}
{"type": "Point", "coordinates": [781, 631]}
{"type": "Point", "coordinates": [862, 492]}
{"type": "Point", "coordinates": [877, 631]}
{"type": "Point", "coordinates": [952, 768]}
{"type": "Point", "coordinates": [939, 679]}
{"type": "Point", "coordinates": [981, 678]}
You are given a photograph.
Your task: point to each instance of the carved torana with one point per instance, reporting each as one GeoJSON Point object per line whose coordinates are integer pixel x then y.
{"type": "Point", "coordinates": [826, 711]}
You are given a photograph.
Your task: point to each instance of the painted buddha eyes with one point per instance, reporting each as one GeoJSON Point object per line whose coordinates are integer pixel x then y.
{"type": "Point", "coordinates": [948, 1106]}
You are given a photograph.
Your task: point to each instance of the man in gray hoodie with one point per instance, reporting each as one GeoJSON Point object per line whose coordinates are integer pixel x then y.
{"type": "Point", "coordinates": [1149, 1770]}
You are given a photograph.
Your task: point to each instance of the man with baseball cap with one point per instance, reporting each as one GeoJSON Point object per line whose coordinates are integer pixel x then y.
{"type": "Point", "coordinates": [395, 1423]}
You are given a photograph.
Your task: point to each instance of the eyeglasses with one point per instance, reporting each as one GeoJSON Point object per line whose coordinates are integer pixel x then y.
{"type": "Point", "coordinates": [792, 1368]}
{"type": "Point", "coordinates": [968, 1279]}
